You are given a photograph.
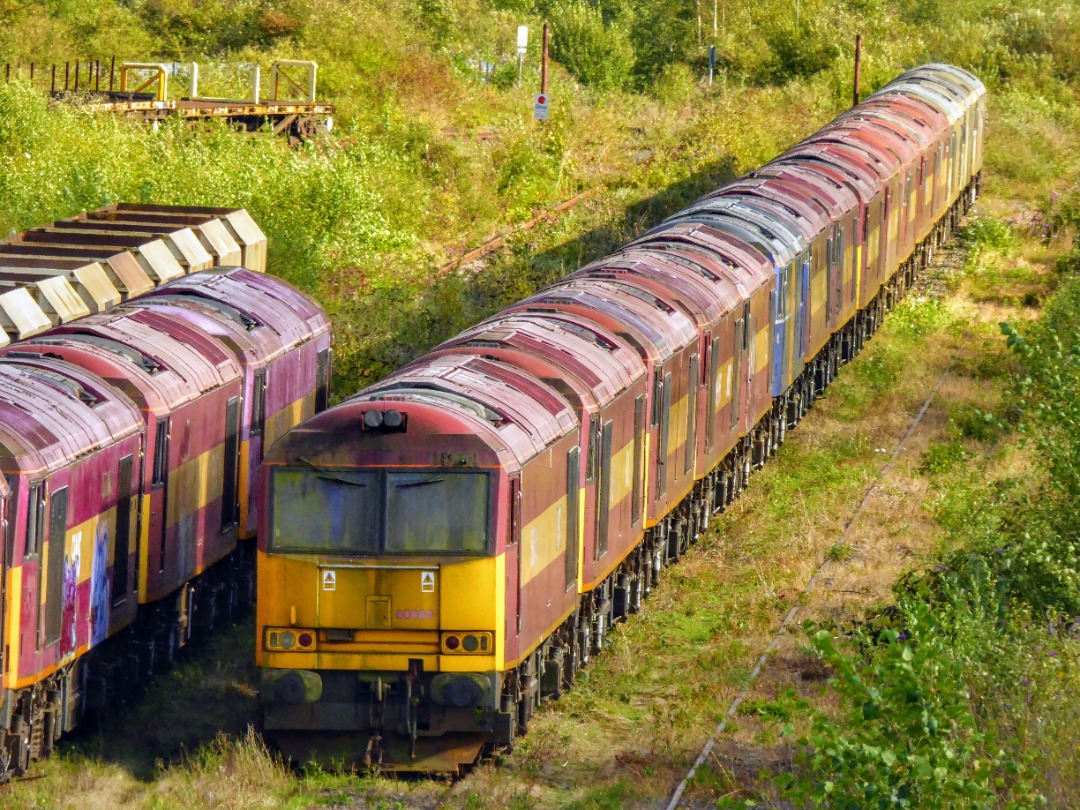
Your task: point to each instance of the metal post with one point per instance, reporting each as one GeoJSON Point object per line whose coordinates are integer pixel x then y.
{"type": "Point", "coordinates": [67, 73]}
{"type": "Point", "coordinates": [112, 70]}
{"type": "Point", "coordinates": [7, 71]}
{"type": "Point", "coordinates": [544, 60]}
{"type": "Point", "coordinates": [858, 65]}
{"type": "Point", "coordinates": [712, 62]}
{"type": "Point", "coordinates": [76, 75]}
{"type": "Point", "coordinates": [97, 76]}
{"type": "Point", "coordinates": [52, 87]}
{"type": "Point", "coordinates": [522, 46]}
{"type": "Point", "coordinates": [31, 74]}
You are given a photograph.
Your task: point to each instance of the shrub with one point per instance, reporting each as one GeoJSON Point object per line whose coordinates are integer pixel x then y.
{"type": "Point", "coordinates": [599, 54]}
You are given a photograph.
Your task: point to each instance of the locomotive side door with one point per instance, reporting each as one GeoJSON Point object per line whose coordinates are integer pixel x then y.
{"type": "Point", "coordinates": [513, 566]}
{"type": "Point", "coordinates": [159, 491]}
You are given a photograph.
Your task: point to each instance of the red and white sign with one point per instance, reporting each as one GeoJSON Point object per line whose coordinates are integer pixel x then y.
{"type": "Point", "coordinates": [540, 107]}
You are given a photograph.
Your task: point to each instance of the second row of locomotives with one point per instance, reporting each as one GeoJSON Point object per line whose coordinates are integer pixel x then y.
{"type": "Point", "coordinates": [128, 444]}
{"type": "Point", "coordinates": [448, 547]}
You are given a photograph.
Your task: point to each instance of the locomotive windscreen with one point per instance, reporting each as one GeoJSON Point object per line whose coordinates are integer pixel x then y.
{"type": "Point", "coordinates": [437, 512]}
{"type": "Point", "coordinates": [329, 511]}
{"type": "Point", "coordinates": [350, 511]}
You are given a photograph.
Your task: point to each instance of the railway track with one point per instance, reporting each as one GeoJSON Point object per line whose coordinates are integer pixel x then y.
{"type": "Point", "coordinates": [707, 750]}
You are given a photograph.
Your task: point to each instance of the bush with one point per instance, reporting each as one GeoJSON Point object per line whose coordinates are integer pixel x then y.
{"type": "Point", "coordinates": [985, 232]}
{"type": "Point", "coordinates": [599, 54]}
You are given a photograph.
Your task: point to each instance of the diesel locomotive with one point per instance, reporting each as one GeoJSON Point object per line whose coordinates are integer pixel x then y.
{"type": "Point", "coordinates": [443, 551]}
{"type": "Point", "coordinates": [128, 444]}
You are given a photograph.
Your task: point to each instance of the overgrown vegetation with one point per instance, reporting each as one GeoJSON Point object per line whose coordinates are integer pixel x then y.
{"type": "Point", "coordinates": [964, 693]}
{"type": "Point", "coordinates": [435, 148]}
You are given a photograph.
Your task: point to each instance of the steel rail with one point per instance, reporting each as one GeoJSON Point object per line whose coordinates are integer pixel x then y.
{"type": "Point", "coordinates": [734, 707]}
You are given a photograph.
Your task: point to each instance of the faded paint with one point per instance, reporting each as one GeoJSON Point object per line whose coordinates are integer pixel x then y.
{"type": "Point", "coordinates": [277, 424]}
{"type": "Point", "coordinates": [542, 538]}
{"type": "Point", "coordinates": [194, 485]}
{"type": "Point", "coordinates": [761, 350]}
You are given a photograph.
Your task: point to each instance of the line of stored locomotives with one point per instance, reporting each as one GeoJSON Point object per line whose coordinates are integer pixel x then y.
{"type": "Point", "coordinates": [444, 550]}
{"type": "Point", "coordinates": [129, 442]}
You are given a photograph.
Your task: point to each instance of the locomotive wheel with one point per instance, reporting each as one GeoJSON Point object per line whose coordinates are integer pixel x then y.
{"type": "Point", "coordinates": [50, 733]}
{"type": "Point", "coordinates": [524, 714]}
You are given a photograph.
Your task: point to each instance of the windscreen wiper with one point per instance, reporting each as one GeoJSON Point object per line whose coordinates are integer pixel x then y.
{"type": "Point", "coordinates": [420, 483]}
{"type": "Point", "coordinates": [330, 475]}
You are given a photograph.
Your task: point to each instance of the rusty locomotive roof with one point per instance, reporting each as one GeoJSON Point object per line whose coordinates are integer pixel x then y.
{"type": "Point", "coordinates": [183, 361]}
{"type": "Point", "coordinates": [654, 327]}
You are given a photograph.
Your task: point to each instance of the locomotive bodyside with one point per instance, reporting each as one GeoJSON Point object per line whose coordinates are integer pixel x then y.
{"type": "Point", "coordinates": [70, 448]}
{"type": "Point", "coordinates": [120, 453]}
{"type": "Point", "coordinates": [284, 351]}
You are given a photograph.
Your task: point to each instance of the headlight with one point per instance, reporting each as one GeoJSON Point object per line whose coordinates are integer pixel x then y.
{"type": "Point", "coordinates": [467, 643]}
{"type": "Point", "coordinates": [289, 640]}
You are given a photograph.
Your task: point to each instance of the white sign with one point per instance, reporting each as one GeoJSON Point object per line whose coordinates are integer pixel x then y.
{"type": "Point", "coordinates": [427, 582]}
{"type": "Point", "coordinates": [329, 580]}
{"type": "Point", "coordinates": [540, 107]}
{"type": "Point", "coordinates": [523, 38]}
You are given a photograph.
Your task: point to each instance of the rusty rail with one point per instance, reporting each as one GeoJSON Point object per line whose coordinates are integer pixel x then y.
{"type": "Point", "coordinates": [497, 242]}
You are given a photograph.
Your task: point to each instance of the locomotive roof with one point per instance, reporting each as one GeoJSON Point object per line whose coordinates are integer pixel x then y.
{"type": "Point", "coordinates": [735, 259]}
{"type": "Point", "coordinates": [886, 140]}
{"type": "Point", "coordinates": [805, 219]}
{"type": "Point", "coordinates": [154, 393]}
{"type": "Point", "coordinates": [871, 156]}
{"type": "Point", "coordinates": [250, 343]}
{"type": "Point", "coordinates": [708, 266]}
{"type": "Point", "coordinates": [663, 274]}
{"type": "Point", "coordinates": [52, 412]}
{"type": "Point", "coordinates": [527, 414]}
{"type": "Point", "coordinates": [901, 120]}
{"type": "Point", "coordinates": [603, 361]}
{"type": "Point", "coordinates": [815, 182]}
{"type": "Point", "coordinates": [754, 228]}
{"type": "Point", "coordinates": [268, 301]}
{"type": "Point", "coordinates": [654, 327]}
{"type": "Point", "coordinates": [944, 72]}
{"type": "Point", "coordinates": [950, 104]}
{"type": "Point", "coordinates": [184, 361]}
{"type": "Point", "coordinates": [848, 163]}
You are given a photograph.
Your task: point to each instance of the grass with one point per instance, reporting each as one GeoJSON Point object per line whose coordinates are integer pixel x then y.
{"type": "Point", "coordinates": [407, 182]}
{"type": "Point", "coordinates": [640, 713]}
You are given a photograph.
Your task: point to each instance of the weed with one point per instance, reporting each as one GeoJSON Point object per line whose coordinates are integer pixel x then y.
{"type": "Point", "coordinates": [986, 233]}
{"type": "Point", "coordinates": [943, 456]}
{"type": "Point", "coordinates": [839, 552]}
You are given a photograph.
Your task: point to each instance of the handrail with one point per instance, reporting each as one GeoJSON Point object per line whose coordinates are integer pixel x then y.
{"type": "Point", "coordinates": [277, 73]}
{"type": "Point", "coordinates": [159, 74]}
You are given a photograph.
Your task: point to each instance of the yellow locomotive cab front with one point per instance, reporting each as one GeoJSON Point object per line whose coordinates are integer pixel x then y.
{"type": "Point", "coordinates": [379, 607]}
